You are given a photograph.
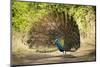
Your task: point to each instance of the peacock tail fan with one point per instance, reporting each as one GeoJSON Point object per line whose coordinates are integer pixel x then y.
{"type": "Point", "coordinates": [72, 36]}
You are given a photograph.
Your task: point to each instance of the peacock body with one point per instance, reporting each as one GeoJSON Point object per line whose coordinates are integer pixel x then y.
{"type": "Point", "coordinates": [58, 45]}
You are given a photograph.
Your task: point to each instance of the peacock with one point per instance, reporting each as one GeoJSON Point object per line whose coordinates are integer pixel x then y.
{"type": "Point", "coordinates": [58, 45]}
{"type": "Point", "coordinates": [71, 37]}
{"type": "Point", "coordinates": [71, 47]}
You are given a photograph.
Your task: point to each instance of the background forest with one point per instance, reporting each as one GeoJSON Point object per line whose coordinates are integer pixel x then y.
{"type": "Point", "coordinates": [32, 18]}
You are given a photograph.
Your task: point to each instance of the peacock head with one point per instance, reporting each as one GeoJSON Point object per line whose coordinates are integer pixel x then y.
{"type": "Point", "coordinates": [56, 39]}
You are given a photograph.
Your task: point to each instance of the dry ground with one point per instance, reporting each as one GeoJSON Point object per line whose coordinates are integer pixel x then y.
{"type": "Point", "coordinates": [85, 53]}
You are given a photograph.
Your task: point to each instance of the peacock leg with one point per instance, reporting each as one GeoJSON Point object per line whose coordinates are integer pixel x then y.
{"type": "Point", "coordinates": [65, 52]}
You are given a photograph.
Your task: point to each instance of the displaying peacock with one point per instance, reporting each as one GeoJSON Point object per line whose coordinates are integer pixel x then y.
{"type": "Point", "coordinates": [71, 36]}
{"type": "Point", "coordinates": [63, 32]}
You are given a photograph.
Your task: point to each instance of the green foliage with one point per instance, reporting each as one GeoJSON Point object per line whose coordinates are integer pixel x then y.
{"type": "Point", "coordinates": [80, 14]}
{"type": "Point", "coordinates": [24, 14]}
{"type": "Point", "coordinates": [27, 14]}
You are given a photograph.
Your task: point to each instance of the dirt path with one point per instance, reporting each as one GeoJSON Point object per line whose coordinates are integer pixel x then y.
{"type": "Point", "coordinates": [85, 53]}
